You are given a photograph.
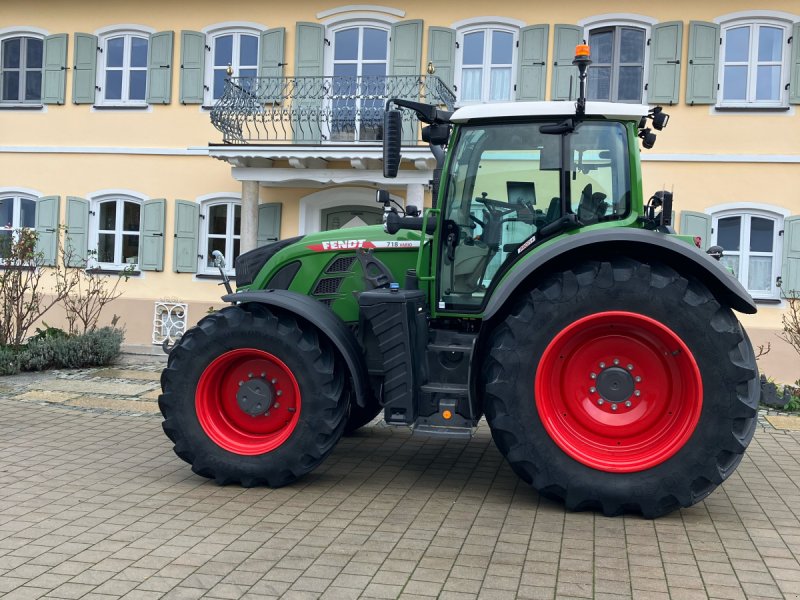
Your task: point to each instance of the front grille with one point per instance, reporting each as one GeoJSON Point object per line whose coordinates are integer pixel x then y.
{"type": "Point", "coordinates": [341, 265]}
{"type": "Point", "coordinates": [327, 286]}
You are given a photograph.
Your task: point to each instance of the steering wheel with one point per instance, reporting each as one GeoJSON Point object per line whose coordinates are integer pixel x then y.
{"type": "Point", "coordinates": [496, 208]}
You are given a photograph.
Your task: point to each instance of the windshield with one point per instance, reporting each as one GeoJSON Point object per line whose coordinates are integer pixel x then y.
{"type": "Point", "coordinates": [505, 184]}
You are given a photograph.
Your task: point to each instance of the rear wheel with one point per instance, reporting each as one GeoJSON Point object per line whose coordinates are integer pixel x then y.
{"type": "Point", "coordinates": [253, 397]}
{"type": "Point", "coordinates": [646, 405]}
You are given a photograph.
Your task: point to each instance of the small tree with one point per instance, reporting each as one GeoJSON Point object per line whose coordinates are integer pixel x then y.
{"type": "Point", "coordinates": [791, 320]}
{"type": "Point", "coordinates": [28, 288]}
{"type": "Point", "coordinates": [92, 292]}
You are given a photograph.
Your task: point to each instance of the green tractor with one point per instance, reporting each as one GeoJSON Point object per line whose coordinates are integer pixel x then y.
{"type": "Point", "coordinates": [541, 291]}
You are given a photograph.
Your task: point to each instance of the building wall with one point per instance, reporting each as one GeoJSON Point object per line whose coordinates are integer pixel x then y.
{"type": "Point", "coordinates": [709, 157]}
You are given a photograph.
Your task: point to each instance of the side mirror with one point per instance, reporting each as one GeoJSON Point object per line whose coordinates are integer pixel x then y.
{"type": "Point", "coordinates": [392, 138]}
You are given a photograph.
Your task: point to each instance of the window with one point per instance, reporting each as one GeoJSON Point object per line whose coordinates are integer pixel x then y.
{"type": "Point", "coordinates": [618, 58]}
{"type": "Point", "coordinates": [750, 242]}
{"type": "Point", "coordinates": [117, 223]}
{"type": "Point", "coordinates": [122, 78]}
{"type": "Point", "coordinates": [486, 61]}
{"type": "Point", "coordinates": [21, 70]}
{"type": "Point", "coordinates": [16, 212]}
{"type": "Point", "coordinates": [753, 71]}
{"type": "Point", "coordinates": [360, 64]}
{"type": "Point", "coordinates": [221, 227]}
{"type": "Point", "coordinates": [235, 50]}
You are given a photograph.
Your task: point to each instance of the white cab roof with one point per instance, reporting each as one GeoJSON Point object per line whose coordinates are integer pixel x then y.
{"type": "Point", "coordinates": [563, 108]}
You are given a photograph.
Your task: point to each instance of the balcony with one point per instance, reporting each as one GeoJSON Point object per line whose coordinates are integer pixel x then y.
{"type": "Point", "coordinates": [320, 110]}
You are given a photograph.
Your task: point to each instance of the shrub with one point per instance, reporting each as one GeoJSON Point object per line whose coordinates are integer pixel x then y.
{"type": "Point", "coordinates": [9, 361]}
{"type": "Point", "coordinates": [94, 348]}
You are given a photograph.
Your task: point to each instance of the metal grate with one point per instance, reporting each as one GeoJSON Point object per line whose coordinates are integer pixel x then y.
{"type": "Point", "coordinates": [327, 286]}
{"type": "Point", "coordinates": [341, 265]}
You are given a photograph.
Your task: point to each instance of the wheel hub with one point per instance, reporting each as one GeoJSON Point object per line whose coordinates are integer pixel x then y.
{"type": "Point", "coordinates": [255, 396]}
{"type": "Point", "coordinates": [615, 384]}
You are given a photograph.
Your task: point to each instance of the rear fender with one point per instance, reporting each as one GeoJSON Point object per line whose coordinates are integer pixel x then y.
{"type": "Point", "coordinates": [636, 243]}
{"type": "Point", "coordinates": [324, 319]}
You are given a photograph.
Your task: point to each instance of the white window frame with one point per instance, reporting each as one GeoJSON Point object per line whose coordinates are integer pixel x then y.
{"type": "Point", "coordinates": [212, 33]}
{"type": "Point", "coordinates": [127, 32]}
{"type": "Point", "coordinates": [487, 26]}
{"type": "Point", "coordinates": [17, 197]}
{"type": "Point", "coordinates": [231, 200]}
{"type": "Point", "coordinates": [95, 200]}
{"type": "Point", "coordinates": [22, 32]}
{"type": "Point", "coordinates": [617, 21]}
{"type": "Point", "coordinates": [747, 210]}
{"type": "Point", "coordinates": [754, 23]}
{"type": "Point", "coordinates": [328, 58]}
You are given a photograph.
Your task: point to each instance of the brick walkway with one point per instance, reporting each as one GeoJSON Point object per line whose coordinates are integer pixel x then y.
{"type": "Point", "coordinates": [94, 504]}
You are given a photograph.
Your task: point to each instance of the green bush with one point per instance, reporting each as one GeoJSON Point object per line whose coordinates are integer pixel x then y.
{"type": "Point", "coordinates": [94, 348]}
{"type": "Point", "coordinates": [9, 361]}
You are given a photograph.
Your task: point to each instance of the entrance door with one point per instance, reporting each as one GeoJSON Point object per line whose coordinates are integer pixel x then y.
{"type": "Point", "coordinates": [343, 217]}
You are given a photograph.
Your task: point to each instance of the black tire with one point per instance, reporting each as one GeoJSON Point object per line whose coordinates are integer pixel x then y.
{"type": "Point", "coordinates": [358, 416]}
{"type": "Point", "coordinates": [723, 355]}
{"type": "Point", "coordinates": [308, 357]}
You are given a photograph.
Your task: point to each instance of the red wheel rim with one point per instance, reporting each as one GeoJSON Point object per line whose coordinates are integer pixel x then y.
{"type": "Point", "coordinates": [219, 411]}
{"type": "Point", "coordinates": [618, 391]}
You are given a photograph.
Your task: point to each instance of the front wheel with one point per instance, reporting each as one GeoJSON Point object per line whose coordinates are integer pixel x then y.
{"type": "Point", "coordinates": [621, 386]}
{"type": "Point", "coordinates": [253, 397]}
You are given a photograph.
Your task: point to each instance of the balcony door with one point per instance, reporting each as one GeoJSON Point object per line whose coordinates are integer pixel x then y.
{"type": "Point", "coordinates": [359, 62]}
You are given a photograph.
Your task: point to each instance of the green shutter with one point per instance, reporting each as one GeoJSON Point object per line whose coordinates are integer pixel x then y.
{"type": "Point", "coordinates": [406, 48]}
{"type": "Point", "coordinates": [696, 223]}
{"type": "Point", "coordinates": [159, 68]}
{"type": "Point", "coordinates": [270, 65]}
{"type": "Point", "coordinates": [47, 212]}
{"type": "Point", "coordinates": [55, 69]}
{"type": "Point", "coordinates": [532, 58]}
{"type": "Point", "coordinates": [184, 252]}
{"type": "Point", "coordinates": [151, 250]}
{"type": "Point", "coordinates": [84, 71]}
{"type": "Point", "coordinates": [193, 64]}
{"type": "Point", "coordinates": [565, 75]}
{"type": "Point", "coordinates": [269, 223]}
{"type": "Point", "coordinates": [701, 75]}
{"type": "Point", "coordinates": [794, 67]}
{"type": "Point", "coordinates": [405, 56]}
{"type": "Point", "coordinates": [77, 240]}
{"type": "Point", "coordinates": [665, 63]}
{"type": "Point", "coordinates": [790, 267]}
{"type": "Point", "coordinates": [442, 54]}
{"type": "Point", "coordinates": [307, 110]}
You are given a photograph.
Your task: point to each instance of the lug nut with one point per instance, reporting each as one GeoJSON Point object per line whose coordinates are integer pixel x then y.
{"type": "Point", "coordinates": [613, 407]}
{"type": "Point", "coordinates": [637, 379]}
{"type": "Point", "coordinates": [630, 367]}
{"type": "Point", "coordinates": [637, 393]}
{"type": "Point", "coordinates": [241, 383]}
{"type": "Point", "coordinates": [602, 365]}
{"type": "Point", "coordinates": [274, 381]}
{"type": "Point", "coordinates": [628, 403]}
{"type": "Point", "coordinates": [600, 402]}
{"type": "Point", "coordinates": [250, 375]}
{"type": "Point", "coordinates": [278, 393]}
{"type": "Point", "coordinates": [592, 390]}
{"type": "Point", "coordinates": [616, 361]}
{"type": "Point", "coordinates": [263, 375]}
{"type": "Point", "coordinates": [593, 376]}
{"type": "Point", "coordinates": [276, 405]}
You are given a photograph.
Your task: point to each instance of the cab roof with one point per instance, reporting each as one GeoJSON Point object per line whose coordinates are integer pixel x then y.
{"type": "Point", "coordinates": [558, 108]}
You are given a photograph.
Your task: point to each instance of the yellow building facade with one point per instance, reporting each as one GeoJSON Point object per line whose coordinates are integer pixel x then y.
{"type": "Point", "coordinates": [106, 125]}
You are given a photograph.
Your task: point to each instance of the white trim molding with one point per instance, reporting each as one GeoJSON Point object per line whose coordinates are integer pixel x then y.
{"type": "Point", "coordinates": [364, 8]}
{"type": "Point", "coordinates": [23, 30]}
{"type": "Point", "coordinates": [100, 194]}
{"type": "Point", "coordinates": [616, 19]}
{"type": "Point", "coordinates": [22, 191]}
{"type": "Point", "coordinates": [240, 25]}
{"type": "Point", "coordinates": [747, 206]}
{"type": "Point", "coordinates": [218, 195]}
{"type": "Point", "coordinates": [757, 14]}
{"type": "Point", "coordinates": [488, 21]}
{"type": "Point", "coordinates": [124, 28]}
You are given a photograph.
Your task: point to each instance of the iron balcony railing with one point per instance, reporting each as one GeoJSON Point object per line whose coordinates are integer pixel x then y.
{"type": "Point", "coordinates": [314, 110]}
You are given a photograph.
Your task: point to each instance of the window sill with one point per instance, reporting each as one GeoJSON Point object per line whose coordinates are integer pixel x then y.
{"type": "Point", "coordinates": [212, 277]}
{"type": "Point", "coordinates": [775, 301]}
{"type": "Point", "coordinates": [121, 106]}
{"type": "Point", "coordinates": [104, 271]}
{"type": "Point", "coordinates": [751, 108]}
{"type": "Point", "coordinates": [21, 106]}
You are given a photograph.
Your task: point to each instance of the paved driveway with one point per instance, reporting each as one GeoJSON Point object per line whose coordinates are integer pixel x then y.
{"type": "Point", "coordinates": [94, 504]}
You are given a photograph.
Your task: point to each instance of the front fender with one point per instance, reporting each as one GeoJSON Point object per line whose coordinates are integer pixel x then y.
{"type": "Point", "coordinates": [636, 243]}
{"type": "Point", "coordinates": [324, 319]}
